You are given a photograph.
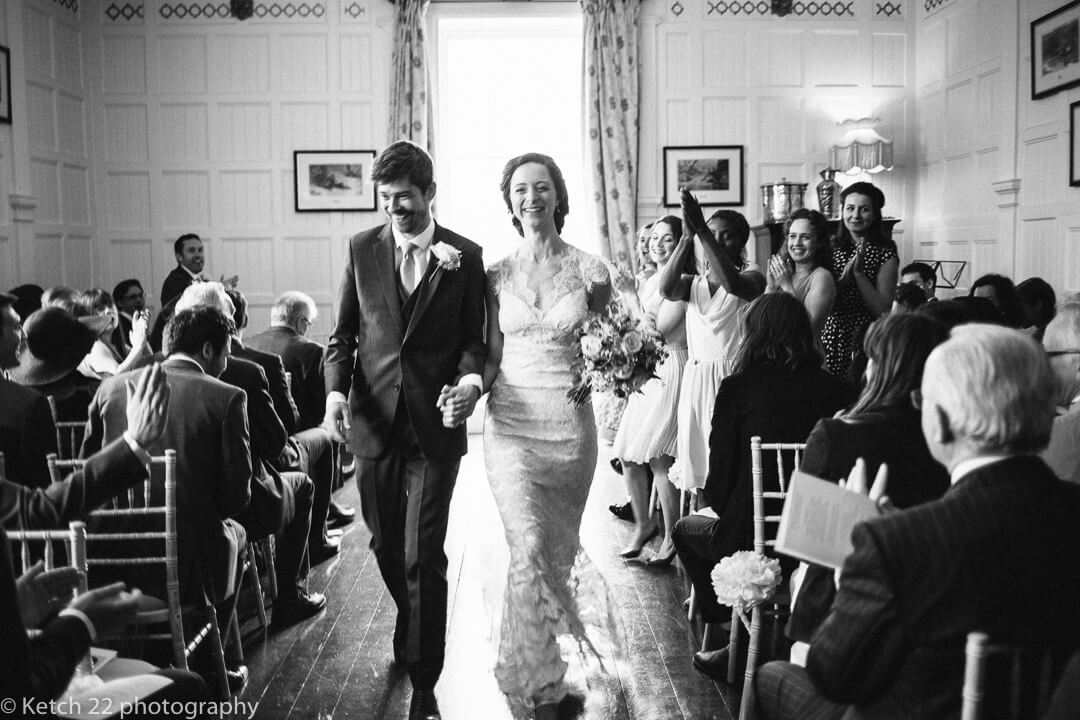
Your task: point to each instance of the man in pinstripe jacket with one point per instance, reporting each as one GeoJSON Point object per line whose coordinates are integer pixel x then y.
{"type": "Point", "coordinates": [999, 552]}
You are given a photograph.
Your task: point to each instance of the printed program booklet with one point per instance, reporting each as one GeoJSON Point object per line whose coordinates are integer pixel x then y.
{"type": "Point", "coordinates": [818, 518]}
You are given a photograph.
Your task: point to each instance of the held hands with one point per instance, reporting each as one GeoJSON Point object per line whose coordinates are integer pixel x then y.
{"type": "Point", "coordinates": [42, 593]}
{"type": "Point", "coordinates": [457, 403]}
{"type": "Point", "coordinates": [148, 406]}
{"type": "Point", "coordinates": [336, 420]}
{"type": "Point", "coordinates": [110, 607]}
{"type": "Point", "coordinates": [693, 218]}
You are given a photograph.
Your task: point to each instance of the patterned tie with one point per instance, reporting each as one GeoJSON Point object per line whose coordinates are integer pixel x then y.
{"type": "Point", "coordinates": [408, 268]}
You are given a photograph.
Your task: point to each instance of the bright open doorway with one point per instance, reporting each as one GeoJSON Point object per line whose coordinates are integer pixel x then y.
{"type": "Point", "coordinates": [507, 80]}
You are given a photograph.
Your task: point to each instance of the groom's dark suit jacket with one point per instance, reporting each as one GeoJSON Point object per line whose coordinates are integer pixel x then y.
{"type": "Point", "coordinates": [1000, 552]}
{"type": "Point", "coordinates": [382, 348]}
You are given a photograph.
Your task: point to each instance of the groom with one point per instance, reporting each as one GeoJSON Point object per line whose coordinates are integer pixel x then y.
{"type": "Point", "coordinates": [409, 340]}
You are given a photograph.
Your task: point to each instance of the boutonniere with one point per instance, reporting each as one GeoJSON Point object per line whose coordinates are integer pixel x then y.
{"type": "Point", "coordinates": [448, 256]}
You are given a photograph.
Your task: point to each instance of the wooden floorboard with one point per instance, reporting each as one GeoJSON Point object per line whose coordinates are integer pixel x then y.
{"type": "Point", "coordinates": [338, 665]}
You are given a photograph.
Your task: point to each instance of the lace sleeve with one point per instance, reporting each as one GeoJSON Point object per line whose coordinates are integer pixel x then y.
{"type": "Point", "coordinates": [594, 273]}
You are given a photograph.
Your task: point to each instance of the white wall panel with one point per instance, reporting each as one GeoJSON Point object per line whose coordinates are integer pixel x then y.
{"type": "Point", "coordinates": [990, 105]}
{"type": "Point", "coordinates": [961, 32]}
{"type": "Point", "coordinates": [124, 64]}
{"type": "Point", "coordinates": [987, 170]}
{"type": "Point", "coordinates": [251, 257]}
{"type": "Point", "coordinates": [129, 258]}
{"type": "Point", "coordinates": [302, 62]}
{"type": "Point", "coordinates": [829, 58]}
{"type": "Point", "coordinates": [181, 64]}
{"type": "Point", "coordinates": [725, 120]}
{"type": "Point", "coordinates": [357, 126]}
{"type": "Point", "coordinates": [931, 54]}
{"type": "Point", "coordinates": [183, 132]}
{"type": "Point", "coordinates": [38, 41]}
{"type": "Point", "coordinates": [777, 59]}
{"type": "Point", "coordinates": [241, 64]}
{"type": "Point", "coordinates": [303, 126]}
{"type": "Point", "coordinates": [126, 133]}
{"type": "Point", "coordinates": [932, 123]}
{"type": "Point", "coordinates": [986, 257]}
{"type": "Point", "coordinates": [128, 200]}
{"type": "Point", "coordinates": [68, 54]}
{"type": "Point", "coordinates": [185, 200]}
{"type": "Point", "coordinates": [890, 60]}
{"type": "Point", "coordinates": [780, 126]}
{"type": "Point", "coordinates": [71, 124]}
{"type": "Point", "coordinates": [678, 124]}
{"type": "Point", "coordinates": [356, 63]}
{"type": "Point", "coordinates": [48, 259]}
{"type": "Point", "coordinates": [961, 183]}
{"type": "Point", "coordinates": [1037, 250]}
{"type": "Point", "coordinates": [75, 194]}
{"type": "Point", "coordinates": [246, 199]}
{"type": "Point", "coordinates": [1045, 169]}
{"type": "Point", "coordinates": [311, 264]}
{"type": "Point", "coordinates": [41, 112]}
{"type": "Point", "coordinates": [9, 269]}
{"type": "Point", "coordinates": [45, 175]}
{"type": "Point", "coordinates": [677, 63]}
{"type": "Point", "coordinates": [960, 123]}
{"type": "Point", "coordinates": [725, 58]}
{"type": "Point", "coordinates": [78, 258]}
{"type": "Point", "coordinates": [242, 132]}
{"type": "Point", "coordinates": [1069, 261]}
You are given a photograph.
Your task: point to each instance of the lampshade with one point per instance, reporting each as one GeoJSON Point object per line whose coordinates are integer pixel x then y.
{"type": "Point", "coordinates": [861, 149]}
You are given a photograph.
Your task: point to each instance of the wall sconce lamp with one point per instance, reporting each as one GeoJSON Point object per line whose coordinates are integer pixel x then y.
{"type": "Point", "coordinates": [861, 149]}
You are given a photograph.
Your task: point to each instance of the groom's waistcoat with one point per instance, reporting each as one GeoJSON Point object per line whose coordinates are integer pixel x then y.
{"type": "Point", "coordinates": [391, 356]}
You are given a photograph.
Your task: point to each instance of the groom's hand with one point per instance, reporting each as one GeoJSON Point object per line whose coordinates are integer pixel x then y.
{"type": "Point", "coordinates": [457, 403]}
{"type": "Point", "coordinates": [336, 419]}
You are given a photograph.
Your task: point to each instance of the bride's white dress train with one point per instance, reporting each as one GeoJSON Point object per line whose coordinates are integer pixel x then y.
{"type": "Point", "coordinates": [540, 454]}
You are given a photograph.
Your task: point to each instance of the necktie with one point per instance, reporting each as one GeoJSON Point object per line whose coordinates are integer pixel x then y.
{"type": "Point", "coordinates": [408, 268]}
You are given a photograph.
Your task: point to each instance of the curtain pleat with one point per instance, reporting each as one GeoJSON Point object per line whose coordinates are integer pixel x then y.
{"type": "Point", "coordinates": [410, 96]}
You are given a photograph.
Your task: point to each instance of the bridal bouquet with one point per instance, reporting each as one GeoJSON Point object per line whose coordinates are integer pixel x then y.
{"type": "Point", "coordinates": [745, 579]}
{"type": "Point", "coordinates": [619, 354]}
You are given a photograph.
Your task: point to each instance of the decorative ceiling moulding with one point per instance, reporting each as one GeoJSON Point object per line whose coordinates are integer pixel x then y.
{"type": "Point", "coordinates": [124, 13]}
{"type": "Point", "coordinates": [353, 11]}
{"type": "Point", "coordinates": [262, 11]}
{"type": "Point", "coordinates": [889, 10]}
{"type": "Point", "coordinates": [766, 9]}
{"type": "Point", "coordinates": [72, 6]}
{"type": "Point", "coordinates": [932, 6]}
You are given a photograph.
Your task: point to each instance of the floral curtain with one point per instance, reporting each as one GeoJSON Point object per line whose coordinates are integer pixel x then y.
{"type": "Point", "coordinates": [410, 109]}
{"type": "Point", "coordinates": [611, 117]}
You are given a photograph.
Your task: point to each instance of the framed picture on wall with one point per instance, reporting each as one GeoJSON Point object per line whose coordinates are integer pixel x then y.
{"type": "Point", "coordinates": [5, 85]}
{"type": "Point", "coordinates": [1055, 51]}
{"type": "Point", "coordinates": [1074, 144]}
{"type": "Point", "coordinates": [333, 180]}
{"type": "Point", "coordinates": [714, 173]}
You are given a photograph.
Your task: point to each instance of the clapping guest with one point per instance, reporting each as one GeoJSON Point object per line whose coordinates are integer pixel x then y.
{"type": "Point", "coordinates": [648, 430]}
{"type": "Point", "coordinates": [1000, 290]}
{"type": "Point", "coordinates": [801, 266]}
{"type": "Point", "coordinates": [105, 359]}
{"type": "Point", "coordinates": [715, 298]}
{"type": "Point", "coordinates": [864, 265]}
{"type": "Point", "coordinates": [130, 301]}
{"type": "Point", "coordinates": [1037, 302]}
{"type": "Point", "coordinates": [881, 428]}
{"type": "Point", "coordinates": [777, 391]}
{"type": "Point", "coordinates": [646, 264]}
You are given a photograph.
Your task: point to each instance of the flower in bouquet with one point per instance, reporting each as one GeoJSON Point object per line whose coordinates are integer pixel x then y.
{"type": "Point", "coordinates": [745, 579]}
{"type": "Point", "coordinates": [619, 354]}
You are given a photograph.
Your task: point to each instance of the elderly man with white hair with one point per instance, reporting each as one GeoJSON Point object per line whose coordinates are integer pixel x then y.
{"type": "Point", "coordinates": [1062, 343]}
{"type": "Point", "coordinates": [999, 552]}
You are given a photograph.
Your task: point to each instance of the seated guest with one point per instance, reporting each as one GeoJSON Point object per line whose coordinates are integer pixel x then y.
{"type": "Point", "coordinates": [1062, 344]}
{"type": "Point", "coordinates": [778, 391]}
{"type": "Point", "coordinates": [881, 428]}
{"type": "Point", "coordinates": [1000, 290]}
{"type": "Point", "coordinates": [999, 553]}
{"type": "Point", "coordinates": [280, 501]}
{"type": "Point", "coordinates": [290, 318]}
{"type": "Point", "coordinates": [104, 358]}
{"type": "Point", "coordinates": [27, 433]}
{"type": "Point", "coordinates": [1037, 302]}
{"type": "Point", "coordinates": [909, 297]}
{"type": "Point", "coordinates": [130, 302]}
{"type": "Point", "coordinates": [923, 276]}
{"type": "Point", "coordinates": [28, 299]}
{"type": "Point", "coordinates": [55, 344]}
{"type": "Point", "coordinates": [208, 429]}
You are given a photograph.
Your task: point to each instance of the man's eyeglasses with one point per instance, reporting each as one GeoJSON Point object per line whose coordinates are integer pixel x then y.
{"type": "Point", "coordinates": [1055, 353]}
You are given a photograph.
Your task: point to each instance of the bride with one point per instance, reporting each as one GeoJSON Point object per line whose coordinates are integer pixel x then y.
{"type": "Point", "coordinates": [539, 449]}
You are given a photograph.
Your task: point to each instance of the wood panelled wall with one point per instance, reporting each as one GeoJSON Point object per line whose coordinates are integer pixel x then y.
{"type": "Point", "coordinates": [731, 73]}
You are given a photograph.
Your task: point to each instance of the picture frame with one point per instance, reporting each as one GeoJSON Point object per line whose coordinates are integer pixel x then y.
{"type": "Point", "coordinates": [1074, 144]}
{"type": "Point", "coordinates": [714, 173]}
{"type": "Point", "coordinates": [5, 85]}
{"type": "Point", "coordinates": [333, 180]}
{"type": "Point", "coordinates": [1055, 51]}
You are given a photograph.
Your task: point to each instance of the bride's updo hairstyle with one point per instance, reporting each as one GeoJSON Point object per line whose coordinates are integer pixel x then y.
{"type": "Point", "coordinates": [562, 204]}
{"type": "Point", "coordinates": [776, 331]}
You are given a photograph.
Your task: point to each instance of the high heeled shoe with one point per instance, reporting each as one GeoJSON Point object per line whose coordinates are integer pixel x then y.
{"type": "Point", "coordinates": [631, 552]}
{"type": "Point", "coordinates": [659, 560]}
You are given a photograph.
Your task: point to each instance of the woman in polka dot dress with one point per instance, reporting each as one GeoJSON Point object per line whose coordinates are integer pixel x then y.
{"type": "Point", "coordinates": [864, 265]}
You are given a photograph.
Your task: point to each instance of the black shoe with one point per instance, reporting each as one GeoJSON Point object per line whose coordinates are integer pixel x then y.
{"type": "Point", "coordinates": [714, 663]}
{"type": "Point", "coordinates": [237, 678]}
{"type": "Point", "coordinates": [401, 632]}
{"type": "Point", "coordinates": [424, 706]}
{"type": "Point", "coordinates": [623, 512]}
{"type": "Point", "coordinates": [616, 465]}
{"type": "Point", "coordinates": [301, 606]}
{"type": "Point", "coordinates": [338, 515]}
{"type": "Point", "coordinates": [324, 551]}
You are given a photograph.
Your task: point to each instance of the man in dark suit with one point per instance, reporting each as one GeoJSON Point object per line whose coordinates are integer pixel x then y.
{"type": "Point", "coordinates": [999, 553]}
{"type": "Point", "coordinates": [409, 338]}
{"type": "Point", "coordinates": [130, 300]}
{"type": "Point", "coordinates": [190, 260]}
{"type": "Point", "coordinates": [208, 428]}
{"type": "Point", "coordinates": [27, 433]}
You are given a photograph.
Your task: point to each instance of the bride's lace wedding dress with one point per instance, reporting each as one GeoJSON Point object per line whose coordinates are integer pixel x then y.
{"type": "Point", "coordinates": [540, 454]}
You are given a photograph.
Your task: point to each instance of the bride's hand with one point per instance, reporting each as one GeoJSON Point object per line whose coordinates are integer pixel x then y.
{"type": "Point", "coordinates": [457, 403]}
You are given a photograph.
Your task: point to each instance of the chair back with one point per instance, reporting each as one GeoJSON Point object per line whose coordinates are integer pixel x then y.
{"type": "Point", "coordinates": [69, 433]}
{"type": "Point", "coordinates": [766, 525]}
{"type": "Point", "coordinates": [73, 540]}
{"type": "Point", "coordinates": [1009, 681]}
